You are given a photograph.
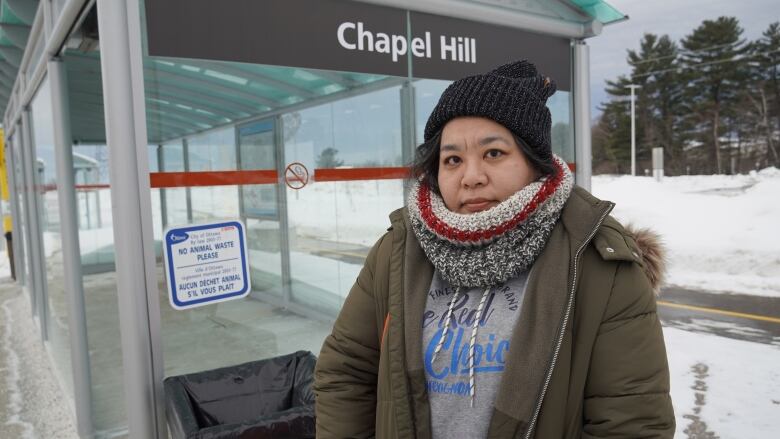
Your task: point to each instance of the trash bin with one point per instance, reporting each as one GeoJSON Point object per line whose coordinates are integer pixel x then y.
{"type": "Point", "coordinates": [271, 398]}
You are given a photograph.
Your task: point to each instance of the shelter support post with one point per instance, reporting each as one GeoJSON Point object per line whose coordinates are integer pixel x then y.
{"type": "Point", "coordinates": [581, 97]}
{"type": "Point", "coordinates": [71, 253]}
{"type": "Point", "coordinates": [139, 313]}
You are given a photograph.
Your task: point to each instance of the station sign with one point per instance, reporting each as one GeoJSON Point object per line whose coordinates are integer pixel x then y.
{"type": "Point", "coordinates": [346, 35]}
{"type": "Point", "coordinates": [206, 263]}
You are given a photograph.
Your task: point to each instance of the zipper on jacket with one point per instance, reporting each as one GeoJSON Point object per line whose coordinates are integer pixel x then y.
{"type": "Point", "coordinates": [566, 315]}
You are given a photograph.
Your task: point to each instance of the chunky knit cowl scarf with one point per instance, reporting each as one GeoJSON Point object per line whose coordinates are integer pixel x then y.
{"type": "Point", "coordinates": [489, 247]}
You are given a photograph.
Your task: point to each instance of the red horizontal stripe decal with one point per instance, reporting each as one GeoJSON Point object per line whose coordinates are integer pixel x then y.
{"type": "Point", "coordinates": [215, 178]}
{"type": "Point", "coordinates": [259, 176]}
{"type": "Point", "coordinates": [349, 174]}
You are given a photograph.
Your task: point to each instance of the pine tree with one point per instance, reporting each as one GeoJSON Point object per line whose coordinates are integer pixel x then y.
{"type": "Point", "coordinates": [659, 107]}
{"type": "Point", "coordinates": [766, 75]}
{"type": "Point", "coordinates": [713, 72]}
{"type": "Point", "coordinates": [611, 139]}
{"type": "Point", "coordinates": [328, 158]}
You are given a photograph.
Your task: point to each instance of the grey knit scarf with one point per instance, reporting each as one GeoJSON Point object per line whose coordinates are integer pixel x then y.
{"type": "Point", "coordinates": [489, 247]}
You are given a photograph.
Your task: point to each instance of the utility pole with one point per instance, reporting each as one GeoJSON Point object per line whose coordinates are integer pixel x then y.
{"type": "Point", "coordinates": [633, 129]}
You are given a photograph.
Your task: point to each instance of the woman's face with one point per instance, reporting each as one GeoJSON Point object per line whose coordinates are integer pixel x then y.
{"type": "Point", "coordinates": [480, 165]}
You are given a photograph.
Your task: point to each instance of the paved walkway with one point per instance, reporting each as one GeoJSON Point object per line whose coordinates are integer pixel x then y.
{"type": "Point", "coordinates": [31, 403]}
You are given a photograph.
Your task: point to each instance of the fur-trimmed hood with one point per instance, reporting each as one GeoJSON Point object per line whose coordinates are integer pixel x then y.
{"type": "Point", "coordinates": [652, 252]}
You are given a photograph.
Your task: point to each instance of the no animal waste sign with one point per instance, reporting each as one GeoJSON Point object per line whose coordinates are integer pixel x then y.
{"type": "Point", "coordinates": [206, 263]}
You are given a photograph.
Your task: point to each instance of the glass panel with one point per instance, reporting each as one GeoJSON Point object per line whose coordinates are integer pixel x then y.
{"type": "Point", "coordinates": [51, 237]}
{"type": "Point", "coordinates": [93, 198]}
{"type": "Point", "coordinates": [157, 195]}
{"type": "Point", "coordinates": [23, 237]}
{"type": "Point", "coordinates": [176, 198]}
{"type": "Point", "coordinates": [562, 135]}
{"type": "Point", "coordinates": [260, 207]}
{"type": "Point", "coordinates": [96, 239]}
{"type": "Point", "coordinates": [173, 157]}
{"type": "Point", "coordinates": [212, 151]}
{"type": "Point", "coordinates": [333, 224]}
{"type": "Point", "coordinates": [426, 93]}
{"type": "Point", "coordinates": [356, 116]}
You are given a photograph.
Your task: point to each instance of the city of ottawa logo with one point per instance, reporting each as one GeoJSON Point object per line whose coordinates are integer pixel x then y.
{"type": "Point", "coordinates": [177, 237]}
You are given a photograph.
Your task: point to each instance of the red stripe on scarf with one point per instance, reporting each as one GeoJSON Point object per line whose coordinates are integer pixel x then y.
{"type": "Point", "coordinates": [439, 227]}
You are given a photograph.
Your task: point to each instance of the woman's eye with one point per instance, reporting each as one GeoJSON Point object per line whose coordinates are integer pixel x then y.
{"type": "Point", "coordinates": [452, 160]}
{"type": "Point", "coordinates": [494, 153]}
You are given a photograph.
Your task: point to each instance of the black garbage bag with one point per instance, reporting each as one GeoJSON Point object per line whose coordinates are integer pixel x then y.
{"type": "Point", "coordinates": [271, 398]}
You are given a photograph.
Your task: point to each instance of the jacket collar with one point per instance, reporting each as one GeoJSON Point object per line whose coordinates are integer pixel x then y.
{"type": "Point", "coordinates": [548, 295]}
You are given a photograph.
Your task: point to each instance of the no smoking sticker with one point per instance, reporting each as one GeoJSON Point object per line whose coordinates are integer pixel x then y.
{"type": "Point", "coordinates": [296, 175]}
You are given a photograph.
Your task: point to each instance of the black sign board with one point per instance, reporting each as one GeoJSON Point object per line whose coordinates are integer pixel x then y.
{"type": "Point", "coordinates": [462, 48]}
{"type": "Point", "coordinates": [345, 35]}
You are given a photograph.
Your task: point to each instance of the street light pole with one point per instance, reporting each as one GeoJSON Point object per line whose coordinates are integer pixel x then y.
{"type": "Point", "coordinates": [633, 129]}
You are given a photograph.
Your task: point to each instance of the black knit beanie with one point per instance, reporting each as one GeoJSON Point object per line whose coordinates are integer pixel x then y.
{"type": "Point", "coordinates": [514, 95]}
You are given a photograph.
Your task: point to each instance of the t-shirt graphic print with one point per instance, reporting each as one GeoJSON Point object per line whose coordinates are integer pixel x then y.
{"type": "Point", "coordinates": [447, 378]}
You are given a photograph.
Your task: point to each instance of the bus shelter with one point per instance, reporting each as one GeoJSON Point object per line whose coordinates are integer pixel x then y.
{"type": "Point", "coordinates": [124, 118]}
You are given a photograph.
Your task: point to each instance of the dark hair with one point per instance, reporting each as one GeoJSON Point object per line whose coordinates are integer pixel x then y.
{"type": "Point", "coordinates": [426, 161]}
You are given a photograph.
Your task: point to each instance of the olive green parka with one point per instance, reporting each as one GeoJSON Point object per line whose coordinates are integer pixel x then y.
{"type": "Point", "coordinates": [586, 358]}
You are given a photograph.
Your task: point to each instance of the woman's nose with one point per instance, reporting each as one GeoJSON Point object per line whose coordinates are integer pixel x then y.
{"type": "Point", "coordinates": [474, 174]}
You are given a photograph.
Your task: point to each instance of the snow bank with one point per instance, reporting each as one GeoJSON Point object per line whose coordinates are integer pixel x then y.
{"type": "Point", "coordinates": [725, 386]}
{"type": "Point", "coordinates": [721, 231]}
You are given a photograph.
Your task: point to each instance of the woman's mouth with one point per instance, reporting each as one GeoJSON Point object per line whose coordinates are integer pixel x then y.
{"type": "Point", "coordinates": [474, 205]}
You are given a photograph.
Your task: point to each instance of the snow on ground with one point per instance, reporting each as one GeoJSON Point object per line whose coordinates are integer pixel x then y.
{"type": "Point", "coordinates": [723, 386]}
{"type": "Point", "coordinates": [328, 274]}
{"type": "Point", "coordinates": [5, 263]}
{"type": "Point", "coordinates": [721, 231]}
{"type": "Point", "coordinates": [32, 403]}
{"type": "Point", "coordinates": [351, 212]}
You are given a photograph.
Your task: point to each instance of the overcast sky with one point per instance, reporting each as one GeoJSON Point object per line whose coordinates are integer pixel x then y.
{"type": "Point", "coordinates": [676, 18]}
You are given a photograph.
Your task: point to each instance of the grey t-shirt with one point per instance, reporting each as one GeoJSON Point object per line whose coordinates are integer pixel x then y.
{"type": "Point", "coordinates": [447, 378]}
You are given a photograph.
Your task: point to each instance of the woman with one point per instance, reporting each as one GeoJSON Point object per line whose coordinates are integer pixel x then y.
{"type": "Point", "coordinates": [503, 302]}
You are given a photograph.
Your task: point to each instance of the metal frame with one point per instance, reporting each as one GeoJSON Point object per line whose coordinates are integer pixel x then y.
{"type": "Point", "coordinates": [185, 152]}
{"type": "Point", "coordinates": [139, 313]}
{"type": "Point", "coordinates": [281, 200]}
{"type": "Point", "coordinates": [71, 253]}
{"type": "Point", "coordinates": [21, 206]}
{"type": "Point", "coordinates": [581, 98]}
{"type": "Point", "coordinates": [281, 194]}
{"type": "Point", "coordinates": [24, 88]}
{"type": "Point", "coordinates": [163, 197]}
{"type": "Point", "coordinates": [16, 243]}
{"type": "Point", "coordinates": [37, 261]}
{"type": "Point", "coordinates": [239, 167]}
{"type": "Point", "coordinates": [408, 126]}
{"type": "Point", "coordinates": [44, 41]}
